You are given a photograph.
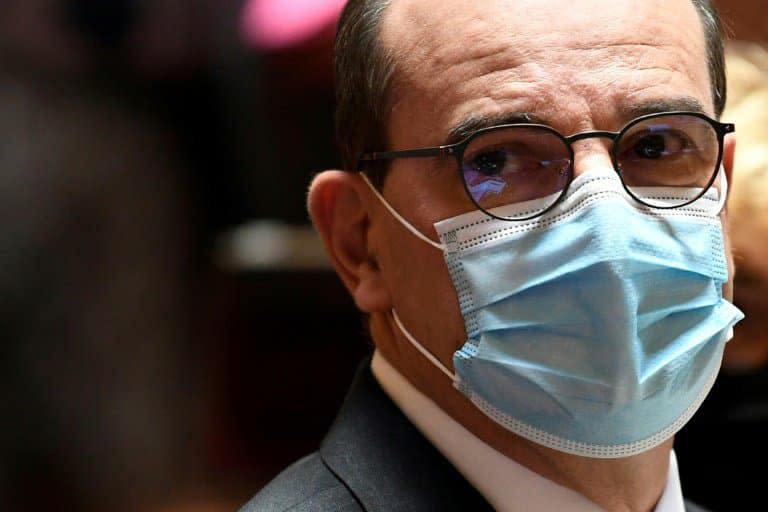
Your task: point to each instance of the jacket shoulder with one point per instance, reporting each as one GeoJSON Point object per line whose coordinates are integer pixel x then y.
{"type": "Point", "coordinates": [693, 507]}
{"type": "Point", "coordinates": [307, 485]}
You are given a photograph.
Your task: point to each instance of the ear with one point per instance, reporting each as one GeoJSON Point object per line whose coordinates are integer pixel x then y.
{"type": "Point", "coordinates": [337, 204]}
{"type": "Point", "coordinates": [729, 153]}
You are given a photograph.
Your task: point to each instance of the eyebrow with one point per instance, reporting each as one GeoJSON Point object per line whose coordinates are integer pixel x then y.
{"type": "Point", "coordinates": [628, 112]}
{"type": "Point", "coordinates": [474, 123]}
{"type": "Point", "coordinates": [680, 104]}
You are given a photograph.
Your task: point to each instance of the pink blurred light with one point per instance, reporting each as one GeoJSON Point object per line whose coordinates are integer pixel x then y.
{"type": "Point", "coordinates": [276, 24]}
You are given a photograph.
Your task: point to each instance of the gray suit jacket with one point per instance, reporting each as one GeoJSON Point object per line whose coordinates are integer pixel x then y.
{"type": "Point", "coordinates": [373, 459]}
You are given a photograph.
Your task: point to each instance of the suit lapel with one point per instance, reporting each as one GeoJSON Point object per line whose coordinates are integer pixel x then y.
{"type": "Point", "coordinates": [386, 462]}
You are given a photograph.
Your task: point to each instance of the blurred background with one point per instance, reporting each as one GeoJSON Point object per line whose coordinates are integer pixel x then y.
{"type": "Point", "coordinates": [172, 334]}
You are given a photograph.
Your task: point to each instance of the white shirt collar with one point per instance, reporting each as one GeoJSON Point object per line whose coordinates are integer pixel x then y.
{"type": "Point", "coordinates": [505, 484]}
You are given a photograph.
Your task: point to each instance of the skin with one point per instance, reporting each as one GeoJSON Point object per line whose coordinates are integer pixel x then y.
{"type": "Point", "coordinates": [594, 69]}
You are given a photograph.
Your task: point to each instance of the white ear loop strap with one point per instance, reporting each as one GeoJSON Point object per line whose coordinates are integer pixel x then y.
{"type": "Point", "coordinates": [723, 193]}
{"type": "Point", "coordinates": [402, 220]}
{"type": "Point", "coordinates": [421, 349]}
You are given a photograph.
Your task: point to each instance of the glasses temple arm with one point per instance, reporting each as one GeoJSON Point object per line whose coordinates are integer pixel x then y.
{"type": "Point", "coordinates": [407, 153]}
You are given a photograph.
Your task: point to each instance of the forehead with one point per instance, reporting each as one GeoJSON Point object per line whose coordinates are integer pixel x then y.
{"type": "Point", "coordinates": [575, 64]}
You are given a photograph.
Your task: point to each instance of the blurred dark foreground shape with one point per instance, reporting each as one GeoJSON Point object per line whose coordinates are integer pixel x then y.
{"type": "Point", "coordinates": [148, 361]}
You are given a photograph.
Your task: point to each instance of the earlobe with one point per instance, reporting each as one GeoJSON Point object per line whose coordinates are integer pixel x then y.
{"type": "Point", "coordinates": [337, 205]}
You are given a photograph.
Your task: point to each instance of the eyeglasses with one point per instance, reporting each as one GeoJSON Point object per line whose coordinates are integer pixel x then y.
{"type": "Point", "coordinates": [521, 162]}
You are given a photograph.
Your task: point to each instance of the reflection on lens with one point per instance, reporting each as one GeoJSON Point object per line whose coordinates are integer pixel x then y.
{"type": "Point", "coordinates": [676, 150]}
{"type": "Point", "coordinates": [515, 164]}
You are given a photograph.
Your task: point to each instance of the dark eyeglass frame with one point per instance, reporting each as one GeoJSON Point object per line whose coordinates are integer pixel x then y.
{"type": "Point", "coordinates": [457, 151]}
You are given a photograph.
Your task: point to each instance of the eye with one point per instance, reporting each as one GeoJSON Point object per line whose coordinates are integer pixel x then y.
{"type": "Point", "coordinates": [652, 146]}
{"type": "Point", "coordinates": [656, 145]}
{"type": "Point", "coordinates": [505, 161]}
{"type": "Point", "coordinates": [490, 163]}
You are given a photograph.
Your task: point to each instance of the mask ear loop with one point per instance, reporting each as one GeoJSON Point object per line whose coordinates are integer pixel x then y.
{"type": "Point", "coordinates": [723, 195]}
{"type": "Point", "coordinates": [723, 192]}
{"type": "Point", "coordinates": [440, 366]}
{"type": "Point", "coordinates": [405, 223]}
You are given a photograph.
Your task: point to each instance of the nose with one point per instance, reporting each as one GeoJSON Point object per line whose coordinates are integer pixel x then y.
{"type": "Point", "coordinates": [592, 154]}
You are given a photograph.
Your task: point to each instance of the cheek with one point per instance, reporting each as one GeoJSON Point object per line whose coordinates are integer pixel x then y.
{"type": "Point", "coordinates": [421, 289]}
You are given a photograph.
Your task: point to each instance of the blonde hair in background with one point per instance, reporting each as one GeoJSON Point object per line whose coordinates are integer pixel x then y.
{"type": "Point", "coordinates": [747, 107]}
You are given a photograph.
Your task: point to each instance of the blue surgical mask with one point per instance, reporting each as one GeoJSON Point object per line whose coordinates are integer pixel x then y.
{"type": "Point", "coordinates": [596, 329]}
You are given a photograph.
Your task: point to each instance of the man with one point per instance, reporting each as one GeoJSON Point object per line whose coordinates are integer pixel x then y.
{"type": "Point", "coordinates": [536, 233]}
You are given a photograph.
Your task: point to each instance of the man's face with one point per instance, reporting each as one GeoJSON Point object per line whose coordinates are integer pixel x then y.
{"type": "Point", "coordinates": [577, 65]}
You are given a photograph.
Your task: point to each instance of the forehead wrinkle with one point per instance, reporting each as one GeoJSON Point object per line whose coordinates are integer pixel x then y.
{"type": "Point", "coordinates": [484, 66]}
{"type": "Point", "coordinates": [424, 44]}
{"type": "Point", "coordinates": [428, 38]}
{"type": "Point", "coordinates": [534, 87]}
{"type": "Point", "coordinates": [425, 35]}
{"type": "Point", "coordinates": [453, 65]}
{"type": "Point", "coordinates": [502, 74]}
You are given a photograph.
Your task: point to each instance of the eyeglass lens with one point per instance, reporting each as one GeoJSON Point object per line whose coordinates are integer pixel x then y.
{"type": "Point", "coordinates": [516, 164]}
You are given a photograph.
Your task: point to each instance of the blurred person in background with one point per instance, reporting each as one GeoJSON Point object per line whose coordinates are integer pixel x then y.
{"type": "Point", "coordinates": [728, 476]}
